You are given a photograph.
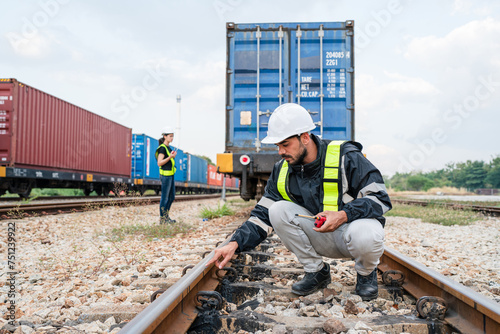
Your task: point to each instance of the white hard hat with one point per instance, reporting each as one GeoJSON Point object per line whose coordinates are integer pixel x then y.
{"type": "Point", "coordinates": [167, 130]}
{"type": "Point", "coordinates": [288, 120]}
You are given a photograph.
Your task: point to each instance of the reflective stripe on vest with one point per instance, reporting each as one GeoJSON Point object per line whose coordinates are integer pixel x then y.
{"type": "Point", "coordinates": [331, 176]}
{"type": "Point", "coordinates": [163, 171]}
{"type": "Point", "coordinates": [330, 180]}
{"type": "Point", "coordinates": [283, 181]}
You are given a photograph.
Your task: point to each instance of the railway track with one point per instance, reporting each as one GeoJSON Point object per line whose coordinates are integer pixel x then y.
{"type": "Point", "coordinates": [54, 198]}
{"type": "Point", "coordinates": [22, 210]}
{"type": "Point", "coordinates": [487, 210]}
{"type": "Point", "coordinates": [442, 305]}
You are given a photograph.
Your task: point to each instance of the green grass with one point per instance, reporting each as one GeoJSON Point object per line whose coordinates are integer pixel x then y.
{"type": "Point", "coordinates": [39, 192]}
{"type": "Point", "coordinates": [241, 203]}
{"type": "Point", "coordinates": [210, 213]}
{"type": "Point", "coordinates": [444, 200]}
{"type": "Point", "coordinates": [480, 203]}
{"type": "Point", "coordinates": [435, 214]}
{"type": "Point", "coordinates": [149, 232]}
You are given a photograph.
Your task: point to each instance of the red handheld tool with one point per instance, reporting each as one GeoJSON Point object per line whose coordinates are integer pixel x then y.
{"type": "Point", "coordinates": [319, 220]}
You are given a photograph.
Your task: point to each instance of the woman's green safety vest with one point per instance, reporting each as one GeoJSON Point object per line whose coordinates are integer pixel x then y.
{"type": "Point", "coordinates": [331, 181]}
{"type": "Point", "coordinates": [166, 172]}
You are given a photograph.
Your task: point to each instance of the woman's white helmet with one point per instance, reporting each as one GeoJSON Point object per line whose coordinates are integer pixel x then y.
{"type": "Point", "coordinates": [288, 120]}
{"type": "Point", "coordinates": [167, 130]}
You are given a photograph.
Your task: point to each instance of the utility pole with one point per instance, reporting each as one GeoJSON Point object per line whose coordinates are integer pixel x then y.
{"type": "Point", "coordinates": [178, 129]}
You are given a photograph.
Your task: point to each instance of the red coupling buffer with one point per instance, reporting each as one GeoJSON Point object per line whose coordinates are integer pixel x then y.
{"type": "Point", "coordinates": [319, 220]}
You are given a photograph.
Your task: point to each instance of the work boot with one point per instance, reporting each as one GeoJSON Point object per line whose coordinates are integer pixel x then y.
{"type": "Point", "coordinates": [367, 286]}
{"type": "Point", "coordinates": [167, 220]}
{"type": "Point", "coordinates": [312, 282]}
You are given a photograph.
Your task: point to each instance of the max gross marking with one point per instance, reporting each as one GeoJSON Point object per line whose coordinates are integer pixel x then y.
{"type": "Point", "coordinates": [11, 273]}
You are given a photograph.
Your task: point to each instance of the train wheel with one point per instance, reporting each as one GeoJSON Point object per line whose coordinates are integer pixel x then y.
{"type": "Point", "coordinates": [26, 194]}
{"type": "Point", "coordinates": [22, 188]}
{"type": "Point", "coordinates": [259, 190]}
{"type": "Point", "coordinates": [106, 190]}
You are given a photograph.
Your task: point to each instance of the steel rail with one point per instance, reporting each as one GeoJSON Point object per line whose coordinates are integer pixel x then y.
{"type": "Point", "coordinates": [54, 198]}
{"type": "Point", "coordinates": [468, 311]}
{"type": "Point", "coordinates": [175, 310]}
{"type": "Point", "coordinates": [478, 208]}
{"type": "Point", "coordinates": [8, 210]}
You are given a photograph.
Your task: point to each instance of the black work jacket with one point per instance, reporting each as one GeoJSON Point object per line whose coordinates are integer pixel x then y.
{"type": "Point", "coordinates": [362, 190]}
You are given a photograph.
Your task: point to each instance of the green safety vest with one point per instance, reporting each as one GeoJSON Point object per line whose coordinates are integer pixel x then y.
{"type": "Point", "coordinates": [166, 172]}
{"type": "Point", "coordinates": [331, 181]}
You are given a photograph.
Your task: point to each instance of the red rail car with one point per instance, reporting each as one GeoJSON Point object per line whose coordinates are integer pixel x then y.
{"type": "Point", "coordinates": [47, 142]}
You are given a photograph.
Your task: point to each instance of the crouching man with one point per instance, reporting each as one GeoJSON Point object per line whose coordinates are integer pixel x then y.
{"type": "Point", "coordinates": [317, 178]}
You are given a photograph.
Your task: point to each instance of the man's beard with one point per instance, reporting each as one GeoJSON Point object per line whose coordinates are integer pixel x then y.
{"type": "Point", "coordinates": [300, 159]}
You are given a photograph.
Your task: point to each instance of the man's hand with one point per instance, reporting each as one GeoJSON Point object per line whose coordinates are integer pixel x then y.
{"type": "Point", "coordinates": [333, 220]}
{"type": "Point", "coordinates": [224, 254]}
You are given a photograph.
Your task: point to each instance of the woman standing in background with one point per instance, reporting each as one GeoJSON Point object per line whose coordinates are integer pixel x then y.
{"type": "Point", "coordinates": [165, 156]}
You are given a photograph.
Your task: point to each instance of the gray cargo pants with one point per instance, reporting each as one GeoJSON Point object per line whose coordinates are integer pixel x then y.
{"type": "Point", "coordinates": [362, 239]}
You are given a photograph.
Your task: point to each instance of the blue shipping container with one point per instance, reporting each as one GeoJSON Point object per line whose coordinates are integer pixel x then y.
{"type": "Point", "coordinates": [269, 64]}
{"type": "Point", "coordinates": [181, 166]}
{"type": "Point", "coordinates": [197, 169]}
{"type": "Point", "coordinates": [144, 165]}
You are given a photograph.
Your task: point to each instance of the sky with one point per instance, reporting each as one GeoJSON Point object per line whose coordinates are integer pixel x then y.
{"type": "Point", "coordinates": [427, 73]}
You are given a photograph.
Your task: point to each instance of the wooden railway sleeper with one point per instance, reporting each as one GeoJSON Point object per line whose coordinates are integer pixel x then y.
{"type": "Point", "coordinates": [226, 276]}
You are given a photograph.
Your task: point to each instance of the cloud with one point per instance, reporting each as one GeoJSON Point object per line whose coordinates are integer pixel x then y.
{"type": "Point", "coordinates": [34, 46]}
{"type": "Point", "coordinates": [467, 6]}
{"type": "Point", "coordinates": [386, 101]}
{"type": "Point", "coordinates": [471, 47]}
{"type": "Point", "coordinates": [392, 90]}
{"type": "Point", "coordinates": [382, 156]}
{"type": "Point", "coordinates": [463, 64]}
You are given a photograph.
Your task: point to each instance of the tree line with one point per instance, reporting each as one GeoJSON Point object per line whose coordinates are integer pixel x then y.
{"type": "Point", "coordinates": [470, 175]}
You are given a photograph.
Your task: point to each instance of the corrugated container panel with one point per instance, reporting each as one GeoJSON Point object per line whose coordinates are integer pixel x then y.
{"type": "Point", "coordinates": [144, 164]}
{"type": "Point", "coordinates": [229, 182]}
{"type": "Point", "coordinates": [274, 63]}
{"type": "Point", "coordinates": [46, 132]}
{"type": "Point", "coordinates": [181, 166]}
{"type": "Point", "coordinates": [197, 169]}
{"type": "Point", "coordinates": [214, 178]}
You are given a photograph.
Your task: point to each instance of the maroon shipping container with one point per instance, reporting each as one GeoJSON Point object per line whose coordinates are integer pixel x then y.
{"type": "Point", "coordinates": [214, 178]}
{"type": "Point", "coordinates": [229, 182]}
{"type": "Point", "coordinates": [38, 130]}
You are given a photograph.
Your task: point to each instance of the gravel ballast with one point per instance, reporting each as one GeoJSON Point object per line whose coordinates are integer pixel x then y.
{"type": "Point", "coordinates": [67, 265]}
